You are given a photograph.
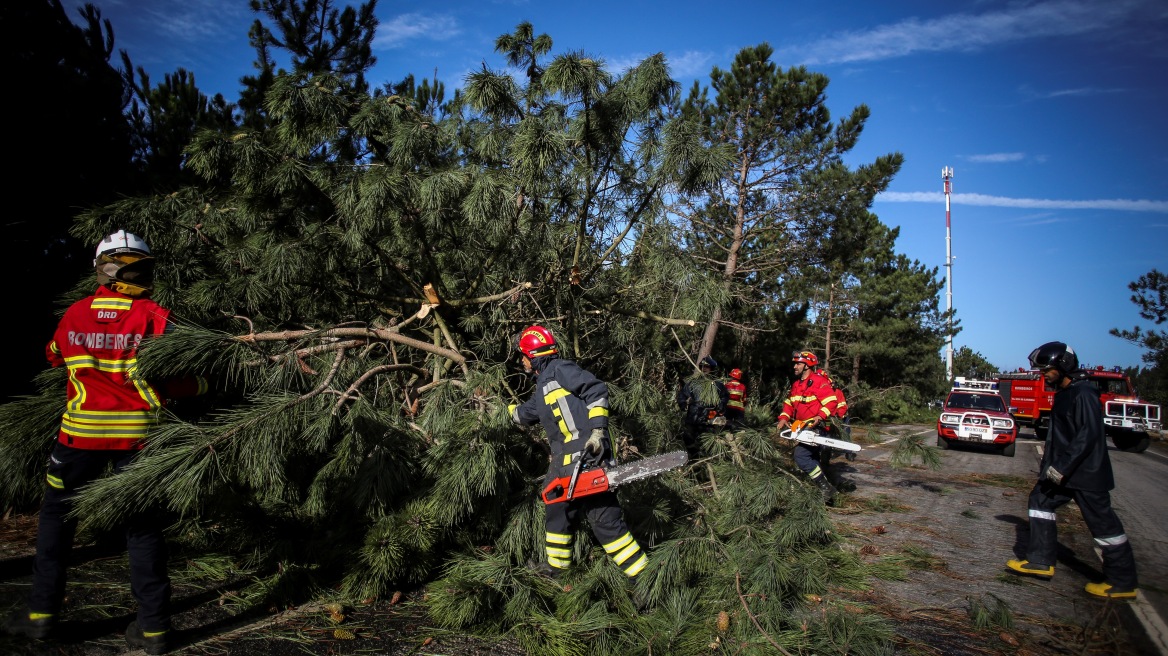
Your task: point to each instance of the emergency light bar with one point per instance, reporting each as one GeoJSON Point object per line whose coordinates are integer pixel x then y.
{"type": "Point", "coordinates": [963, 383]}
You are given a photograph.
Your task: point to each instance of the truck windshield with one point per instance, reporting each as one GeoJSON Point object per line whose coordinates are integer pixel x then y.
{"type": "Point", "coordinates": [1111, 386]}
{"type": "Point", "coordinates": [976, 402]}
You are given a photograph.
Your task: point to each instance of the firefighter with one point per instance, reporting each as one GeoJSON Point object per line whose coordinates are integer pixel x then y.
{"type": "Point", "coordinates": [108, 412]}
{"type": "Point", "coordinates": [572, 406]}
{"type": "Point", "coordinates": [736, 398]}
{"type": "Point", "coordinates": [702, 399]}
{"type": "Point", "coordinates": [839, 422]}
{"type": "Point", "coordinates": [1075, 466]}
{"type": "Point", "coordinates": [810, 401]}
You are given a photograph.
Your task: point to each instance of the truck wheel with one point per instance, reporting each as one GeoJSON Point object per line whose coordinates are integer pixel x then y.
{"type": "Point", "coordinates": [1137, 443]}
{"type": "Point", "coordinates": [942, 442]}
{"type": "Point", "coordinates": [1008, 450]}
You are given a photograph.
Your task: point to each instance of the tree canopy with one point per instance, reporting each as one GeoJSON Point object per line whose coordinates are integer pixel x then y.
{"type": "Point", "coordinates": [351, 268]}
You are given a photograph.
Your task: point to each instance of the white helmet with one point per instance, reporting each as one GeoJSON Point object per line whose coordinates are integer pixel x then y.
{"type": "Point", "coordinates": [120, 242]}
{"type": "Point", "coordinates": [124, 264]}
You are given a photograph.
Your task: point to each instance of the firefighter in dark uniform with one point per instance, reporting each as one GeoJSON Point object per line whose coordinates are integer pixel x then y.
{"type": "Point", "coordinates": [108, 413]}
{"type": "Point", "coordinates": [702, 400]}
{"type": "Point", "coordinates": [1075, 466]}
{"type": "Point", "coordinates": [572, 406]}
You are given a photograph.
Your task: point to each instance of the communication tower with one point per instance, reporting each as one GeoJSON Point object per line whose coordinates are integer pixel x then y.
{"type": "Point", "coordinates": [947, 176]}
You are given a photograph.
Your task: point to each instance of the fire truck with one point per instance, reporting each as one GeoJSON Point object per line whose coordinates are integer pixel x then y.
{"type": "Point", "coordinates": [1126, 419]}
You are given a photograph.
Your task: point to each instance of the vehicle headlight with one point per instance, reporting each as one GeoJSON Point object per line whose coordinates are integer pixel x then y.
{"type": "Point", "coordinates": [950, 419]}
{"type": "Point", "coordinates": [1003, 423]}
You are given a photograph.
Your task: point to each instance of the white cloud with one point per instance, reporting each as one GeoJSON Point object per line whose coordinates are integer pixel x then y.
{"type": "Point", "coordinates": [995, 158]}
{"type": "Point", "coordinates": [968, 32]}
{"type": "Point", "coordinates": [394, 33]}
{"type": "Point", "coordinates": [984, 200]}
{"type": "Point", "coordinates": [689, 64]}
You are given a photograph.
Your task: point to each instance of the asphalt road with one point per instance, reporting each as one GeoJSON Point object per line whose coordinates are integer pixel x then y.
{"type": "Point", "coordinates": [1140, 499]}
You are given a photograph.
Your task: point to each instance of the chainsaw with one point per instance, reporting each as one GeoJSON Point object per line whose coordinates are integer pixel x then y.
{"type": "Point", "coordinates": [807, 436]}
{"type": "Point", "coordinates": [589, 479]}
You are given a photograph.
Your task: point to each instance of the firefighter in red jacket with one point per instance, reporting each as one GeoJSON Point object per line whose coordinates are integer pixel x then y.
{"type": "Point", "coordinates": [572, 406]}
{"type": "Point", "coordinates": [108, 412]}
{"type": "Point", "coordinates": [736, 404]}
{"type": "Point", "coordinates": [810, 401]}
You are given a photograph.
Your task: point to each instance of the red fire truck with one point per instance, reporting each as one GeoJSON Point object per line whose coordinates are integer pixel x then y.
{"type": "Point", "coordinates": [1126, 418]}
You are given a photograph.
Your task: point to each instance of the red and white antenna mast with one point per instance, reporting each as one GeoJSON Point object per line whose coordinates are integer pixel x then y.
{"type": "Point", "coordinates": [947, 176]}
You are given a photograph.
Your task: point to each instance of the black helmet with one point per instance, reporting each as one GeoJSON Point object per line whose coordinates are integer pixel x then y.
{"type": "Point", "coordinates": [1055, 355]}
{"type": "Point", "coordinates": [708, 362]}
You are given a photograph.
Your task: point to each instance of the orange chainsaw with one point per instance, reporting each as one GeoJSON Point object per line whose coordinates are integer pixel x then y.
{"type": "Point", "coordinates": [590, 479]}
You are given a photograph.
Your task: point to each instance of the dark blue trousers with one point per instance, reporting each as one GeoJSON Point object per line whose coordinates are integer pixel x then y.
{"type": "Point", "coordinates": [1119, 564]}
{"type": "Point", "coordinates": [69, 470]}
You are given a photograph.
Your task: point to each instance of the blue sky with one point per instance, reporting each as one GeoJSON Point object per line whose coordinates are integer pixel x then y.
{"type": "Point", "coordinates": [1050, 112]}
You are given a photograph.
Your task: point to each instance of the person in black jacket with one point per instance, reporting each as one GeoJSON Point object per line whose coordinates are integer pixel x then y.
{"type": "Point", "coordinates": [702, 399]}
{"type": "Point", "coordinates": [572, 406]}
{"type": "Point", "coordinates": [1075, 465]}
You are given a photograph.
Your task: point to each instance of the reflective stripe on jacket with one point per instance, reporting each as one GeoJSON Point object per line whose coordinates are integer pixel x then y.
{"type": "Point", "coordinates": [809, 397]}
{"type": "Point", "coordinates": [108, 406]}
{"type": "Point", "coordinates": [737, 391]}
{"type": "Point", "coordinates": [569, 402]}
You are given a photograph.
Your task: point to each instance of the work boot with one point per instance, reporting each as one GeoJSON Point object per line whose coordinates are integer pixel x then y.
{"type": "Point", "coordinates": [544, 569]}
{"type": "Point", "coordinates": [1108, 591]}
{"type": "Point", "coordinates": [24, 622]}
{"type": "Point", "coordinates": [826, 489]}
{"type": "Point", "coordinates": [151, 642]}
{"type": "Point", "coordinates": [1032, 569]}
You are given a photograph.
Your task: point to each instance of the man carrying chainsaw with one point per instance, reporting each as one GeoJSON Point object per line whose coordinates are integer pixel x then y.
{"type": "Point", "coordinates": [572, 406]}
{"type": "Point", "coordinates": [809, 404]}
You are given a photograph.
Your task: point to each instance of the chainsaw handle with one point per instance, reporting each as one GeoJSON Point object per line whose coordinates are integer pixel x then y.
{"type": "Point", "coordinates": [579, 484]}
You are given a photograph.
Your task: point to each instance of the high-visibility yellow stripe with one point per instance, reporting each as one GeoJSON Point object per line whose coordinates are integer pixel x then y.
{"type": "Point", "coordinates": [55, 481]}
{"type": "Point", "coordinates": [101, 364]}
{"type": "Point", "coordinates": [144, 390]}
{"type": "Point", "coordinates": [597, 412]}
{"type": "Point", "coordinates": [559, 552]}
{"type": "Point", "coordinates": [638, 566]}
{"type": "Point", "coordinates": [555, 395]}
{"type": "Point", "coordinates": [559, 564]}
{"type": "Point", "coordinates": [111, 416]}
{"type": "Point", "coordinates": [104, 430]}
{"type": "Point", "coordinates": [76, 402]}
{"type": "Point", "coordinates": [567, 459]}
{"type": "Point", "coordinates": [815, 473]}
{"type": "Point", "coordinates": [559, 538]}
{"type": "Point", "coordinates": [107, 303]}
{"type": "Point", "coordinates": [39, 616]}
{"type": "Point", "coordinates": [626, 553]}
{"type": "Point", "coordinates": [619, 543]}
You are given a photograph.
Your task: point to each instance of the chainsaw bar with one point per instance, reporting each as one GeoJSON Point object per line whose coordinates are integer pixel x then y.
{"type": "Point", "coordinates": [646, 467]}
{"type": "Point", "coordinates": [811, 437]}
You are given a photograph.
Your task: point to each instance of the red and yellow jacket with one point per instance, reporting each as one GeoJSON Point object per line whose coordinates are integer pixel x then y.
{"type": "Point", "coordinates": [737, 391]}
{"type": "Point", "coordinates": [841, 401]}
{"type": "Point", "coordinates": [809, 397]}
{"type": "Point", "coordinates": [108, 406]}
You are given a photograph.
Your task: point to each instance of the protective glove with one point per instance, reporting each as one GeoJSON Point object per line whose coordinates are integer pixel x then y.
{"type": "Point", "coordinates": [851, 456]}
{"type": "Point", "coordinates": [511, 411]}
{"type": "Point", "coordinates": [594, 447]}
{"type": "Point", "coordinates": [1053, 475]}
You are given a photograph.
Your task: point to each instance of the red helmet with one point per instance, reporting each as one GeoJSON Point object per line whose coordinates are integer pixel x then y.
{"type": "Point", "coordinates": [535, 341]}
{"type": "Point", "coordinates": [806, 357]}
{"type": "Point", "coordinates": [736, 374]}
